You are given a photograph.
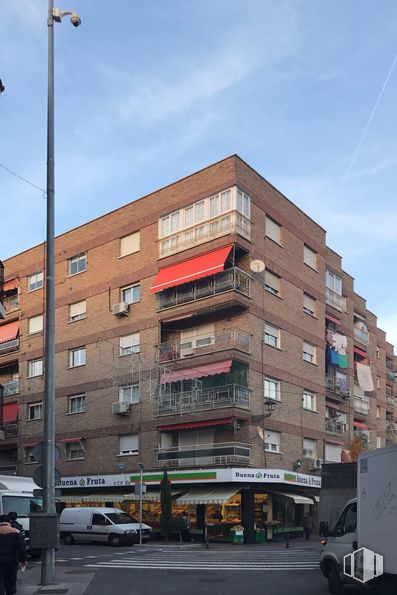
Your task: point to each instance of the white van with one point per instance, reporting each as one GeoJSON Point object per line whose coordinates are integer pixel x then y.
{"type": "Point", "coordinates": [108, 525]}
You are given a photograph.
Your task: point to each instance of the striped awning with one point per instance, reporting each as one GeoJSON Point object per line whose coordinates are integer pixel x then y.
{"type": "Point", "coordinates": [297, 498]}
{"type": "Point", "coordinates": [98, 499]}
{"type": "Point", "coordinates": [207, 496]}
{"type": "Point", "coordinates": [150, 496]}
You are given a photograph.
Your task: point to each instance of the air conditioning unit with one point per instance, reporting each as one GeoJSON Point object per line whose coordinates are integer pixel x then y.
{"type": "Point", "coordinates": [317, 464]}
{"type": "Point", "coordinates": [120, 309]}
{"type": "Point", "coordinates": [121, 407]}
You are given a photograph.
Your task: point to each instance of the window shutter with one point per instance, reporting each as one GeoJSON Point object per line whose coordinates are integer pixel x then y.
{"type": "Point", "coordinates": [36, 324]}
{"type": "Point", "coordinates": [130, 244]}
{"type": "Point", "coordinates": [129, 443]}
{"type": "Point", "coordinates": [77, 309]}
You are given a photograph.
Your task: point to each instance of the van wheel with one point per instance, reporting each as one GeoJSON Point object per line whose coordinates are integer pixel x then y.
{"type": "Point", "coordinates": [335, 585]}
{"type": "Point", "coordinates": [114, 540]}
{"type": "Point", "coordinates": [68, 539]}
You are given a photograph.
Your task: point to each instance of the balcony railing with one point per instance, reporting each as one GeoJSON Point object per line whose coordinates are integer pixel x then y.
{"type": "Point", "coordinates": [391, 427]}
{"type": "Point", "coordinates": [227, 280]}
{"type": "Point", "coordinates": [390, 375]}
{"type": "Point", "coordinates": [7, 346]}
{"type": "Point", "coordinates": [11, 302]}
{"type": "Point", "coordinates": [202, 344]}
{"type": "Point", "coordinates": [332, 426]}
{"type": "Point", "coordinates": [363, 435]}
{"type": "Point", "coordinates": [335, 300]}
{"type": "Point", "coordinates": [232, 222]}
{"type": "Point", "coordinates": [221, 453]}
{"type": "Point", "coordinates": [10, 388]}
{"type": "Point", "coordinates": [10, 429]}
{"type": "Point", "coordinates": [391, 400]}
{"type": "Point", "coordinates": [229, 395]}
{"type": "Point", "coordinates": [337, 385]}
{"type": "Point", "coordinates": [361, 406]}
{"type": "Point", "coordinates": [361, 336]}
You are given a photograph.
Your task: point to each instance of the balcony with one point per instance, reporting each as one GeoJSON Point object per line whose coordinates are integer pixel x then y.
{"type": "Point", "coordinates": [391, 427]}
{"type": "Point", "coordinates": [9, 346]}
{"type": "Point", "coordinates": [231, 279]}
{"type": "Point", "coordinates": [10, 388]}
{"type": "Point", "coordinates": [335, 300]}
{"type": "Point", "coordinates": [361, 336]}
{"type": "Point", "coordinates": [204, 344]}
{"type": "Point", "coordinates": [232, 222]}
{"type": "Point", "coordinates": [10, 429]}
{"type": "Point", "coordinates": [11, 302]}
{"type": "Point", "coordinates": [361, 406]}
{"type": "Point", "coordinates": [390, 400]}
{"type": "Point", "coordinates": [221, 453]}
{"type": "Point", "coordinates": [390, 375]}
{"type": "Point", "coordinates": [334, 426]}
{"type": "Point", "coordinates": [229, 395]}
{"type": "Point", "coordinates": [363, 436]}
{"type": "Point", "coordinates": [337, 385]}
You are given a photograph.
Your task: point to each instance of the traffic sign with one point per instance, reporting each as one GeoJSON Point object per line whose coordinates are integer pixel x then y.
{"type": "Point", "coordinates": [38, 476]}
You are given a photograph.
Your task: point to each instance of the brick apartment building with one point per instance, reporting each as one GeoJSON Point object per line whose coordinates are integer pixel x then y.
{"type": "Point", "coordinates": [172, 351]}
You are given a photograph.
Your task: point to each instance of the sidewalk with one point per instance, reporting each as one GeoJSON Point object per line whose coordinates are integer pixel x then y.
{"type": "Point", "coordinates": [70, 580]}
{"type": "Point", "coordinates": [294, 544]}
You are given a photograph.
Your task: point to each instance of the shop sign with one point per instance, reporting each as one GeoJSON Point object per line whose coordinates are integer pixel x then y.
{"type": "Point", "coordinates": [275, 476]}
{"type": "Point", "coordinates": [94, 481]}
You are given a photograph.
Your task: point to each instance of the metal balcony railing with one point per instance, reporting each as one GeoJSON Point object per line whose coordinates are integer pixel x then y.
{"type": "Point", "coordinates": [391, 427]}
{"type": "Point", "coordinates": [391, 400]}
{"type": "Point", "coordinates": [7, 346]}
{"type": "Point", "coordinates": [363, 435]}
{"type": "Point", "coordinates": [10, 388]}
{"type": "Point", "coordinates": [337, 385]}
{"type": "Point", "coordinates": [332, 426]}
{"type": "Point", "coordinates": [221, 453]}
{"type": "Point", "coordinates": [230, 279]}
{"type": "Point", "coordinates": [11, 302]}
{"type": "Point", "coordinates": [203, 344]}
{"type": "Point", "coordinates": [230, 395]}
{"type": "Point", "coordinates": [390, 375]}
{"type": "Point", "coordinates": [361, 336]}
{"type": "Point", "coordinates": [10, 429]}
{"type": "Point", "coordinates": [361, 406]}
{"type": "Point", "coordinates": [335, 300]}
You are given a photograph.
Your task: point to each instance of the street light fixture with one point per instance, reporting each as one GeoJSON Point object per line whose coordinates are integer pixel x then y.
{"type": "Point", "coordinates": [269, 405]}
{"type": "Point", "coordinates": [48, 555]}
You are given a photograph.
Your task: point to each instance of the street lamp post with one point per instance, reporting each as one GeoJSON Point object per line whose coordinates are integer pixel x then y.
{"type": "Point", "coordinates": [48, 554]}
{"type": "Point", "coordinates": [141, 468]}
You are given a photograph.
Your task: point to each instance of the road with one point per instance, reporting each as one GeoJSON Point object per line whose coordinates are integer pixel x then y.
{"type": "Point", "coordinates": [195, 571]}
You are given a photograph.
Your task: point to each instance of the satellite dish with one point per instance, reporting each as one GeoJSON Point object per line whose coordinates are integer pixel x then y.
{"type": "Point", "coordinates": [260, 432]}
{"type": "Point", "coordinates": [257, 266]}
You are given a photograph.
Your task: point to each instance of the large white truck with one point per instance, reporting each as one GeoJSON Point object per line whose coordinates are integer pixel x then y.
{"type": "Point", "coordinates": [367, 525]}
{"type": "Point", "coordinates": [16, 495]}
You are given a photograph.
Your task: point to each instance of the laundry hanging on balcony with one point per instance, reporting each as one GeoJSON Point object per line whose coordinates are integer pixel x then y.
{"type": "Point", "coordinates": [336, 349]}
{"type": "Point", "coordinates": [364, 377]}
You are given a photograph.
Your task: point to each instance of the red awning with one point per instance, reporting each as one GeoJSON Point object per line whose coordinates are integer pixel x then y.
{"type": "Point", "coordinates": [197, 424]}
{"type": "Point", "coordinates": [360, 425]}
{"type": "Point", "coordinates": [198, 372]}
{"type": "Point", "coordinates": [332, 318]}
{"type": "Point", "coordinates": [9, 331]}
{"type": "Point", "coordinates": [360, 352]}
{"type": "Point", "coordinates": [70, 440]}
{"type": "Point", "coordinates": [11, 284]}
{"type": "Point", "coordinates": [10, 412]}
{"type": "Point", "coordinates": [189, 270]}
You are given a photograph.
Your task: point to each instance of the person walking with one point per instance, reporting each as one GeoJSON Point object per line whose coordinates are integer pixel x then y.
{"type": "Point", "coordinates": [308, 526]}
{"type": "Point", "coordinates": [185, 527]}
{"type": "Point", "coordinates": [12, 551]}
{"type": "Point", "coordinates": [13, 516]}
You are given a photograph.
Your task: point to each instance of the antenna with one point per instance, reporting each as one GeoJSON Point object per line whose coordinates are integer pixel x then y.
{"type": "Point", "coordinates": [257, 266]}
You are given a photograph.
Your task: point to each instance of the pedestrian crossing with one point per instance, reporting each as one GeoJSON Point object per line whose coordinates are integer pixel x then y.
{"type": "Point", "coordinates": [279, 560]}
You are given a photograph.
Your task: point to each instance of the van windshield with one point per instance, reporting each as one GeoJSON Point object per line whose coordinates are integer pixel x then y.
{"type": "Point", "coordinates": [22, 505]}
{"type": "Point", "coordinates": [120, 518]}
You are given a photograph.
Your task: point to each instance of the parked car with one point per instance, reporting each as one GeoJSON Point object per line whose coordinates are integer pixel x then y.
{"type": "Point", "coordinates": [107, 525]}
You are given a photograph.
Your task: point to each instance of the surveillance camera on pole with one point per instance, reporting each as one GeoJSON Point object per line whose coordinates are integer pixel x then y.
{"type": "Point", "coordinates": [57, 15]}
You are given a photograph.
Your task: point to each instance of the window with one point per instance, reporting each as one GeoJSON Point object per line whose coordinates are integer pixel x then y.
{"type": "Point", "coordinates": [225, 203]}
{"type": "Point", "coordinates": [243, 204]}
{"type": "Point", "coordinates": [272, 283]}
{"type": "Point", "coordinates": [333, 282]}
{"type": "Point", "coordinates": [377, 353]}
{"type": "Point", "coordinates": [271, 388]}
{"type": "Point", "coordinates": [199, 211]}
{"type": "Point", "coordinates": [378, 382]}
{"type": "Point", "coordinates": [272, 335]}
{"type": "Point", "coordinates": [78, 311]}
{"type": "Point", "coordinates": [35, 324]}
{"type": "Point", "coordinates": [78, 264]}
{"type": "Point", "coordinates": [35, 281]}
{"type": "Point", "coordinates": [309, 448]}
{"type": "Point", "coordinates": [333, 452]}
{"type": "Point", "coordinates": [273, 230]}
{"type": "Point", "coordinates": [76, 404]}
{"type": "Point", "coordinates": [129, 444]}
{"type": "Point", "coordinates": [272, 441]}
{"type": "Point", "coordinates": [74, 450]}
{"type": "Point", "coordinates": [214, 206]}
{"type": "Point", "coordinates": [378, 413]}
{"type": "Point", "coordinates": [196, 337]}
{"type": "Point", "coordinates": [130, 244]}
{"type": "Point", "coordinates": [35, 411]}
{"type": "Point", "coordinates": [77, 357]}
{"type": "Point", "coordinates": [35, 368]}
{"type": "Point", "coordinates": [29, 455]}
{"type": "Point", "coordinates": [309, 400]}
{"type": "Point", "coordinates": [189, 216]}
{"type": "Point", "coordinates": [347, 522]}
{"type": "Point", "coordinates": [378, 442]}
{"type": "Point", "coordinates": [309, 352]}
{"type": "Point", "coordinates": [129, 393]}
{"type": "Point", "coordinates": [129, 344]}
{"type": "Point", "coordinates": [309, 305]}
{"type": "Point", "coordinates": [310, 257]}
{"type": "Point", "coordinates": [131, 294]}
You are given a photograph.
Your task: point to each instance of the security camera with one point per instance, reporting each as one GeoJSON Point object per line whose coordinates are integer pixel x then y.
{"type": "Point", "coordinates": [75, 20]}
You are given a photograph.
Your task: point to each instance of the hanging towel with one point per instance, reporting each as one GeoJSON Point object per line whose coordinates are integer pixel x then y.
{"type": "Point", "coordinates": [343, 386]}
{"type": "Point", "coordinates": [342, 360]}
{"type": "Point", "coordinates": [340, 343]}
{"type": "Point", "coordinates": [332, 356]}
{"type": "Point", "coordinates": [364, 377]}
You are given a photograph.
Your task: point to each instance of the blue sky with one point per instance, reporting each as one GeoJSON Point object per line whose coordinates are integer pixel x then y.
{"type": "Point", "coordinates": [148, 92]}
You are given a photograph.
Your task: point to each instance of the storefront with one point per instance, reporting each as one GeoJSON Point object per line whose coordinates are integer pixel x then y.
{"type": "Point", "coordinates": [267, 503]}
